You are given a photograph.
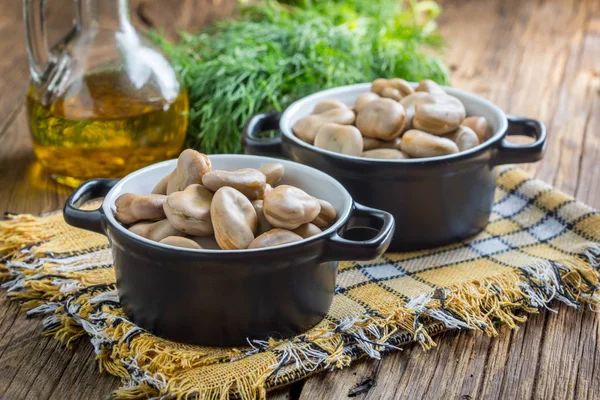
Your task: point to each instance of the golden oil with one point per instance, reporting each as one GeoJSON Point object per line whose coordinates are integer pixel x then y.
{"type": "Point", "coordinates": [104, 128]}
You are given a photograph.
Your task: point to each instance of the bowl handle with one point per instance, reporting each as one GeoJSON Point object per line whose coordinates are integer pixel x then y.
{"type": "Point", "coordinates": [339, 248]}
{"type": "Point", "coordinates": [253, 144]}
{"type": "Point", "coordinates": [90, 220]}
{"type": "Point", "coordinates": [510, 153]}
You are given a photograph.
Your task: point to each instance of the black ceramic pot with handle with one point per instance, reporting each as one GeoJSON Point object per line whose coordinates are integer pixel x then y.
{"type": "Point", "coordinates": [222, 298]}
{"type": "Point", "coordinates": [436, 200]}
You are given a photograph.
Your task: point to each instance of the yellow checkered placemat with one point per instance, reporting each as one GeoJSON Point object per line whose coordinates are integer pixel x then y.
{"type": "Point", "coordinates": [540, 245]}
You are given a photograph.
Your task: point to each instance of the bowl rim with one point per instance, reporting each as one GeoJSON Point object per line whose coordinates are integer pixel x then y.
{"type": "Point", "coordinates": [108, 209]}
{"type": "Point", "coordinates": [289, 112]}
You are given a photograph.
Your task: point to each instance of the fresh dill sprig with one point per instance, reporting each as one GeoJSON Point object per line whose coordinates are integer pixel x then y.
{"type": "Point", "coordinates": [275, 54]}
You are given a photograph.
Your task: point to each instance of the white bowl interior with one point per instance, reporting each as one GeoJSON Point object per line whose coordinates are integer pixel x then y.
{"type": "Point", "coordinates": [474, 105]}
{"type": "Point", "coordinates": [312, 181]}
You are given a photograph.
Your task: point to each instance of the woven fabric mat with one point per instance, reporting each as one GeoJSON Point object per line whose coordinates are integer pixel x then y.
{"type": "Point", "coordinates": [540, 245]}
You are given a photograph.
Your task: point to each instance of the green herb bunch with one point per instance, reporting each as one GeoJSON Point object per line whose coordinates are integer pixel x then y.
{"type": "Point", "coordinates": [277, 53]}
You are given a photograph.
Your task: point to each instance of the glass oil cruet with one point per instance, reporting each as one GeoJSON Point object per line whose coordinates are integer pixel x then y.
{"type": "Point", "coordinates": [103, 101]}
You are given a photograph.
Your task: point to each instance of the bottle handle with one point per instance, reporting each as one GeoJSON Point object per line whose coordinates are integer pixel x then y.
{"type": "Point", "coordinates": [35, 33]}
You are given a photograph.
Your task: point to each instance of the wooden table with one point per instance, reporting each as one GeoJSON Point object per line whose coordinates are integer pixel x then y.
{"type": "Point", "coordinates": [537, 58]}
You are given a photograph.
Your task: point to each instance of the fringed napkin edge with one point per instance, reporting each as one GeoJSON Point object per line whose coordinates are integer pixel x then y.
{"type": "Point", "coordinates": [481, 305]}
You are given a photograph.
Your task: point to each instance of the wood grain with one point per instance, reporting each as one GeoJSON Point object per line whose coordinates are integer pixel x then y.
{"type": "Point", "coordinates": [14, 70]}
{"type": "Point", "coordinates": [32, 366]}
{"type": "Point", "coordinates": [535, 58]}
{"type": "Point", "coordinates": [180, 15]}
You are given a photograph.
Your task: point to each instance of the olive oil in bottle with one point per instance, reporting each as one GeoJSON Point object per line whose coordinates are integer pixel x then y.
{"type": "Point", "coordinates": [103, 127]}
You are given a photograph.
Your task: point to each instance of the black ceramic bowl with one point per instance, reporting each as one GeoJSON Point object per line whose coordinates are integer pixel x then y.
{"type": "Point", "coordinates": [436, 200]}
{"type": "Point", "coordinates": [221, 298]}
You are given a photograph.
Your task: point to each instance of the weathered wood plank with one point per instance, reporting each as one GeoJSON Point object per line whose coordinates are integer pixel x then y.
{"type": "Point", "coordinates": [471, 365]}
{"type": "Point", "coordinates": [290, 392]}
{"type": "Point", "coordinates": [14, 70]}
{"type": "Point", "coordinates": [519, 55]}
{"type": "Point", "coordinates": [574, 107]}
{"type": "Point", "coordinates": [588, 185]}
{"type": "Point", "coordinates": [80, 378]}
{"type": "Point", "coordinates": [567, 357]}
{"type": "Point", "coordinates": [32, 366]}
{"type": "Point", "coordinates": [527, 59]}
{"type": "Point", "coordinates": [25, 186]}
{"type": "Point", "coordinates": [188, 15]}
{"type": "Point", "coordinates": [353, 382]}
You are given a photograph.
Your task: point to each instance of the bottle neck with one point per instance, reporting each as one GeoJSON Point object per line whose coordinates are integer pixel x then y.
{"type": "Point", "coordinates": [108, 14]}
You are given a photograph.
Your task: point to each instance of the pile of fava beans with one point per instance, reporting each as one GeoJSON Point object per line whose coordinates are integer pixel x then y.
{"type": "Point", "coordinates": [197, 207]}
{"type": "Point", "coordinates": [394, 121]}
